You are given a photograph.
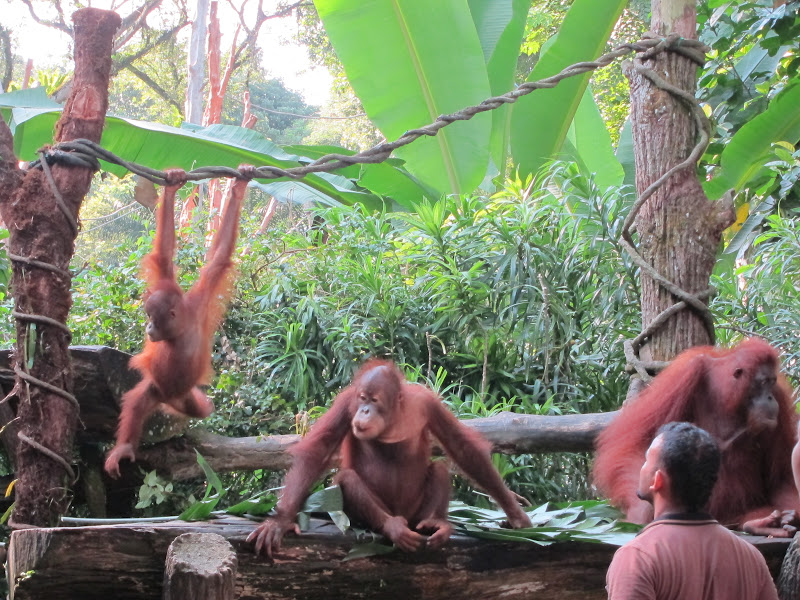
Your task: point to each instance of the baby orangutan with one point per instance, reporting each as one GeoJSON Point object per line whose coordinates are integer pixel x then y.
{"type": "Point", "coordinates": [177, 352]}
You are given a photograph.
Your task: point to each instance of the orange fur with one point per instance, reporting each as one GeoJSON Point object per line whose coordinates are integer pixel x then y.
{"type": "Point", "coordinates": [176, 358]}
{"type": "Point", "coordinates": [699, 386]}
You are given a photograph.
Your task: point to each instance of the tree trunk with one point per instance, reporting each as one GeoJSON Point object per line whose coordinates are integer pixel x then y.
{"type": "Point", "coordinates": [42, 232]}
{"type": "Point", "coordinates": [217, 88]}
{"type": "Point", "coordinates": [788, 582]}
{"type": "Point", "coordinates": [679, 229]}
{"type": "Point", "coordinates": [196, 64]}
{"type": "Point", "coordinates": [193, 109]}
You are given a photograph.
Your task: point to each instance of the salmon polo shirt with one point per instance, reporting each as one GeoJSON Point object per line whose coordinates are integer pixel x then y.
{"type": "Point", "coordinates": [688, 559]}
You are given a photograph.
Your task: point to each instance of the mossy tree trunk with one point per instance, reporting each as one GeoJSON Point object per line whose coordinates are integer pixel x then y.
{"type": "Point", "coordinates": [41, 244]}
{"type": "Point", "coordinates": [679, 228]}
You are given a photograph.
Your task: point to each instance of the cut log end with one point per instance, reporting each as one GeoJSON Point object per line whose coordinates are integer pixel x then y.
{"type": "Point", "coordinates": [200, 566]}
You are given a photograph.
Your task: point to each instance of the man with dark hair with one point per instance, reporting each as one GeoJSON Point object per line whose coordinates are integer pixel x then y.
{"type": "Point", "coordinates": [684, 553]}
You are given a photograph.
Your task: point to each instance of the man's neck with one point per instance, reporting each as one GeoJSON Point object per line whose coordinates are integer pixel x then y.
{"type": "Point", "coordinates": [662, 505]}
{"type": "Point", "coordinates": [684, 516]}
{"type": "Point", "coordinates": [664, 509]}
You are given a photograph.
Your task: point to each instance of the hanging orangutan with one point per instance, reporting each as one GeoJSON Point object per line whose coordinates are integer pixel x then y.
{"type": "Point", "coordinates": [177, 353]}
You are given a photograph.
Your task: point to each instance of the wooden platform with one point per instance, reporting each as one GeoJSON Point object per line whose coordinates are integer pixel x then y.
{"type": "Point", "coordinates": [126, 562]}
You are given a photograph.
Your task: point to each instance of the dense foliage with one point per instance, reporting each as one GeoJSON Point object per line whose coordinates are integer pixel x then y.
{"type": "Point", "coordinates": [517, 300]}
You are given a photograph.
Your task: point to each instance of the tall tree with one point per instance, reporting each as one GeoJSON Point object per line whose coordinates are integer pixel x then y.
{"type": "Point", "coordinates": [41, 209]}
{"type": "Point", "coordinates": [679, 229]}
{"type": "Point", "coordinates": [196, 65]}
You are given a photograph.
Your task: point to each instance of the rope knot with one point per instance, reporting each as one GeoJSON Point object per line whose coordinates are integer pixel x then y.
{"type": "Point", "coordinates": [247, 172]}
{"type": "Point", "coordinates": [175, 177]}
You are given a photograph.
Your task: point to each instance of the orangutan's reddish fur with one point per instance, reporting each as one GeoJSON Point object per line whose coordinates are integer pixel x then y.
{"type": "Point", "coordinates": [176, 358]}
{"type": "Point", "coordinates": [383, 427]}
{"type": "Point", "coordinates": [712, 388]}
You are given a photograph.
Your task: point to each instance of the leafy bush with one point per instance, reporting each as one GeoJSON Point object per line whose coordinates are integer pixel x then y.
{"type": "Point", "coordinates": [519, 301]}
{"type": "Point", "coordinates": [760, 295]}
{"type": "Point", "coordinates": [523, 295]}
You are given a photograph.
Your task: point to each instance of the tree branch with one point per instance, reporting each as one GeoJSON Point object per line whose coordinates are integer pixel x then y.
{"type": "Point", "coordinates": [155, 87]}
{"type": "Point", "coordinates": [133, 23]}
{"type": "Point", "coordinates": [59, 23]}
{"type": "Point", "coordinates": [123, 61]}
{"type": "Point", "coordinates": [249, 41]}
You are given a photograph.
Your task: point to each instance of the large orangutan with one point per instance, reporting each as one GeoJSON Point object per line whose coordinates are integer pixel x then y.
{"type": "Point", "coordinates": [382, 426]}
{"type": "Point", "coordinates": [737, 395]}
{"type": "Point", "coordinates": [180, 329]}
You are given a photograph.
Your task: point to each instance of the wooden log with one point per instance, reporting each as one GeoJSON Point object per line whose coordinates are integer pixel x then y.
{"type": "Point", "coordinates": [126, 562]}
{"type": "Point", "coordinates": [101, 376]}
{"type": "Point", "coordinates": [509, 433]}
{"type": "Point", "coordinates": [512, 433]}
{"type": "Point", "coordinates": [200, 566]}
{"type": "Point", "coordinates": [789, 580]}
{"type": "Point", "coordinates": [177, 458]}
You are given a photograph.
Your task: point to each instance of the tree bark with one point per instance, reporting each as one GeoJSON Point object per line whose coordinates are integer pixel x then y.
{"type": "Point", "coordinates": [126, 562]}
{"type": "Point", "coordinates": [788, 582]}
{"type": "Point", "coordinates": [200, 566]}
{"type": "Point", "coordinates": [196, 64]}
{"type": "Point", "coordinates": [679, 229]}
{"type": "Point", "coordinates": [217, 88]}
{"type": "Point", "coordinates": [43, 229]}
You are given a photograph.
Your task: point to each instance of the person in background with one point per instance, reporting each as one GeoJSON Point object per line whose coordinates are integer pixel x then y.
{"type": "Point", "coordinates": [684, 554]}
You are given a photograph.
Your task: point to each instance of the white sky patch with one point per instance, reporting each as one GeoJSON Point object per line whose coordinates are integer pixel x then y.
{"type": "Point", "coordinates": [283, 58]}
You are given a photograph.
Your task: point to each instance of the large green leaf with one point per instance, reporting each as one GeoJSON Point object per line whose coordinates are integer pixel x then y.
{"type": "Point", "coordinates": [749, 148]}
{"type": "Point", "coordinates": [540, 121]}
{"type": "Point", "coordinates": [30, 98]}
{"type": "Point", "coordinates": [500, 25]}
{"type": "Point", "coordinates": [387, 179]}
{"type": "Point", "coordinates": [401, 186]}
{"type": "Point", "coordinates": [758, 60]}
{"type": "Point", "coordinates": [410, 61]}
{"type": "Point", "coordinates": [625, 154]}
{"type": "Point", "coordinates": [592, 142]}
{"type": "Point", "coordinates": [161, 146]}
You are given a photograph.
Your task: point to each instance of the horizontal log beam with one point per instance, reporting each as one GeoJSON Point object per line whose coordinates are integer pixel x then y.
{"type": "Point", "coordinates": [509, 433]}
{"type": "Point", "coordinates": [102, 376]}
{"type": "Point", "coordinates": [512, 433]}
{"type": "Point", "coordinates": [126, 562]}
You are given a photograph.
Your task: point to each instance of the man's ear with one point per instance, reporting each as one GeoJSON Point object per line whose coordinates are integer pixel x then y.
{"type": "Point", "coordinates": [659, 480]}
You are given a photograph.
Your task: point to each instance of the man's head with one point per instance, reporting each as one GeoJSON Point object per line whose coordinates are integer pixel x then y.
{"type": "Point", "coordinates": [681, 465]}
